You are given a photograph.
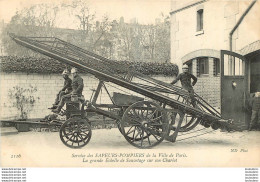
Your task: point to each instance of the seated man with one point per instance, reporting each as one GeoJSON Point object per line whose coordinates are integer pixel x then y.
{"type": "Point", "coordinates": [65, 90]}
{"type": "Point", "coordinates": [185, 79]}
{"type": "Point", "coordinates": [77, 88]}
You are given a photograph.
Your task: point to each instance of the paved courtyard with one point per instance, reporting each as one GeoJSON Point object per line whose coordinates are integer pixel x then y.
{"type": "Point", "coordinates": [107, 146]}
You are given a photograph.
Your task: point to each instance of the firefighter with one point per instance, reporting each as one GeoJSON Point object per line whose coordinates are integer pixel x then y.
{"type": "Point", "coordinates": [185, 79]}
{"type": "Point", "coordinates": [65, 90]}
{"type": "Point", "coordinates": [255, 105]}
{"type": "Point", "coordinates": [77, 88]}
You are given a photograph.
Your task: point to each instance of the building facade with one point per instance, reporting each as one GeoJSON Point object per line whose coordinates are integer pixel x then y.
{"type": "Point", "coordinates": [200, 29]}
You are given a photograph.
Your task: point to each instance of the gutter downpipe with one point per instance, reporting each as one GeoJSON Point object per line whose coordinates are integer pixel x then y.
{"type": "Point", "coordinates": [238, 23]}
{"type": "Point", "coordinates": [230, 40]}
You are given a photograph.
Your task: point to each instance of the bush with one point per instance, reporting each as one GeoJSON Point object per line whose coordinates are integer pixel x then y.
{"type": "Point", "coordinates": [48, 65]}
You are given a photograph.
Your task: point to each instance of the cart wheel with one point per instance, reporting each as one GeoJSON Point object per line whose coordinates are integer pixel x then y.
{"type": "Point", "coordinates": [130, 137]}
{"type": "Point", "coordinates": [118, 122]}
{"type": "Point", "coordinates": [75, 132]}
{"type": "Point", "coordinates": [144, 124]}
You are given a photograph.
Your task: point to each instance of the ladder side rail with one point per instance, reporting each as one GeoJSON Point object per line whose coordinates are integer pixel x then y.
{"type": "Point", "coordinates": [91, 54]}
{"type": "Point", "coordinates": [157, 89]}
{"type": "Point", "coordinates": [60, 50]}
{"type": "Point", "coordinates": [180, 91]}
{"type": "Point", "coordinates": [167, 85]}
{"type": "Point", "coordinates": [173, 88]}
{"type": "Point", "coordinates": [37, 37]}
{"type": "Point", "coordinates": [208, 109]}
{"type": "Point", "coordinates": [88, 53]}
{"type": "Point", "coordinates": [206, 103]}
{"type": "Point", "coordinates": [85, 54]}
{"type": "Point", "coordinates": [121, 82]}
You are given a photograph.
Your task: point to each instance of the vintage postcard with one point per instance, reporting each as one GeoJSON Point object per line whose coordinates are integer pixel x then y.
{"type": "Point", "coordinates": [122, 83]}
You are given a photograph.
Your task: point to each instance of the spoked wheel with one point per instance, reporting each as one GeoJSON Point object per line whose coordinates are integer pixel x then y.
{"type": "Point", "coordinates": [119, 126]}
{"type": "Point", "coordinates": [75, 132]}
{"type": "Point", "coordinates": [144, 124]}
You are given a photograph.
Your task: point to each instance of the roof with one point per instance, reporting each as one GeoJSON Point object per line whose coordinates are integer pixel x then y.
{"type": "Point", "coordinates": [250, 48]}
{"type": "Point", "coordinates": [185, 5]}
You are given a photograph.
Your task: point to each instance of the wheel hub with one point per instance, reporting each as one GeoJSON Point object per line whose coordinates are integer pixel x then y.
{"type": "Point", "coordinates": [144, 124]}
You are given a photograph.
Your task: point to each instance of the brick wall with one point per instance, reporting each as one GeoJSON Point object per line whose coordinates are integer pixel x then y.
{"type": "Point", "coordinates": [208, 86]}
{"type": "Point", "coordinates": [47, 88]}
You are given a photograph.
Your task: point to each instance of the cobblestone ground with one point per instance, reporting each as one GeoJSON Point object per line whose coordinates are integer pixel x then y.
{"type": "Point", "coordinates": [215, 149]}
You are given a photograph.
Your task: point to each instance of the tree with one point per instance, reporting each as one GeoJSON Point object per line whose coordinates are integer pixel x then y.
{"type": "Point", "coordinates": [162, 44]}
{"type": "Point", "coordinates": [125, 38]}
{"type": "Point", "coordinates": [85, 17]}
{"type": "Point", "coordinates": [94, 33]}
{"type": "Point", "coordinates": [101, 30]}
{"type": "Point", "coordinates": [147, 36]}
{"type": "Point", "coordinates": [155, 40]}
{"type": "Point", "coordinates": [37, 20]}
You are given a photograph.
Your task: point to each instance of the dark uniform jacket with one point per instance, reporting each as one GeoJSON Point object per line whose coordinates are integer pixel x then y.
{"type": "Point", "coordinates": [67, 84]}
{"type": "Point", "coordinates": [77, 85]}
{"type": "Point", "coordinates": [185, 79]}
{"type": "Point", "coordinates": [254, 103]}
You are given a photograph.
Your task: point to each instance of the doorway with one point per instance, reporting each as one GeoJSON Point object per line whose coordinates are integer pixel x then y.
{"type": "Point", "coordinates": [255, 74]}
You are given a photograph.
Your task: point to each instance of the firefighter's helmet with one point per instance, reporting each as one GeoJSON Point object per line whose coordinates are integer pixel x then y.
{"type": "Point", "coordinates": [65, 72]}
{"type": "Point", "coordinates": [74, 70]}
{"type": "Point", "coordinates": [185, 66]}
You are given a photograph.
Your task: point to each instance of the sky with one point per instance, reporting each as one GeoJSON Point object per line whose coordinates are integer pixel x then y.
{"type": "Point", "coordinates": [146, 11]}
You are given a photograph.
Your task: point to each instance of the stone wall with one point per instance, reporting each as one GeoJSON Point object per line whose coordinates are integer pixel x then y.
{"type": "Point", "coordinates": [48, 85]}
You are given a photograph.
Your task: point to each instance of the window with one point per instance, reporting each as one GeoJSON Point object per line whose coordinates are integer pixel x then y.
{"type": "Point", "coordinates": [200, 20]}
{"type": "Point", "coordinates": [216, 67]}
{"type": "Point", "coordinates": [203, 65]}
{"type": "Point", "coordinates": [190, 68]}
{"type": "Point", "coordinates": [233, 66]}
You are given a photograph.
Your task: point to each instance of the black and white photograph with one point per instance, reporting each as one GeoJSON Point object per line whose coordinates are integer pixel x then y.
{"type": "Point", "coordinates": [124, 83]}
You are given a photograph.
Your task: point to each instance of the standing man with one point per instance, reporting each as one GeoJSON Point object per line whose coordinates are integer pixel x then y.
{"type": "Point", "coordinates": [185, 79]}
{"type": "Point", "coordinates": [255, 105]}
{"type": "Point", "coordinates": [65, 90]}
{"type": "Point", "coordinates": [77, 88]}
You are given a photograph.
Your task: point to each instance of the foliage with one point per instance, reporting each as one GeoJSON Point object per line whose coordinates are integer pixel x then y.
{"type": "Point", "coordinates": [23, 99]}
{"type": "Point", "coordinates": [47, 65]}
{"type": "Point", "coordinates": [30, 65]}
{"type": "Point", "coordinates": [82, 12]}
{"type": "Point", "coordinates": [113, 39]}
{"type": "Point", "coordinates": [145, 42]}
{"type": "Point", "coordinates": [36, 20]}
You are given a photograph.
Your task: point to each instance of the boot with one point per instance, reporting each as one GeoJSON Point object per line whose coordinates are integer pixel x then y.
{"type": "Point", "coordinates": [250, 128]}
{"type": "Point", "coordinates": [54, 106]}
{"type": "Point", "coordinates": [57, 110]}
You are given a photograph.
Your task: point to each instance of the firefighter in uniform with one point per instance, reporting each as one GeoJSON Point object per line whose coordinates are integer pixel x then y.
{"type": "Point", "coordinates": [65, 90]}
{"type": "Point", "coordinates": [77, 88]}
{"type": "Point", "coordinates": [185, 79]}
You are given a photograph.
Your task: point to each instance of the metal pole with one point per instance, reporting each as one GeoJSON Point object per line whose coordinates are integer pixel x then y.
{"type": "Point", "coordinates": [238, 23]}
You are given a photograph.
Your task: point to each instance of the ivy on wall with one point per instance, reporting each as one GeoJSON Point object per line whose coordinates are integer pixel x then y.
{"type": "Point", "coordinates": [48, 65]}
